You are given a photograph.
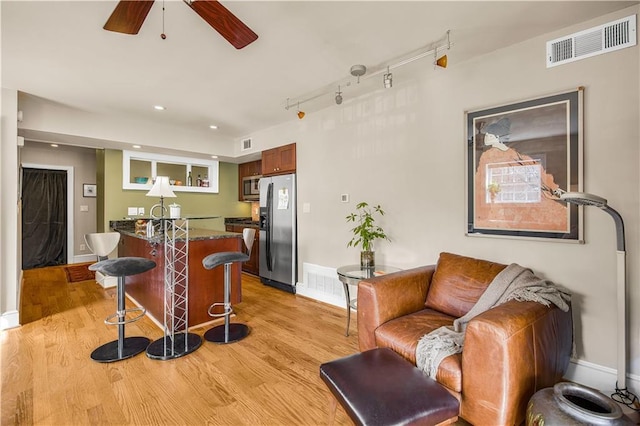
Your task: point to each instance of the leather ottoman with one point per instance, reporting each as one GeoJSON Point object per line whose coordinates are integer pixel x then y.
{"type": "Point", "coordinates": [379, 387]}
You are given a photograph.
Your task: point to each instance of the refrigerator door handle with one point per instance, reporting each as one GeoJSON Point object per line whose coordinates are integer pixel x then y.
{"type": "Point", "coordinates": [268, 225]}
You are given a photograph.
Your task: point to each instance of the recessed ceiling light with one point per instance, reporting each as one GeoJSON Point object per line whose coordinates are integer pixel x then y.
{"type": "Point", "coordinates": [159, 107]}
{"type": "Point", "coordinates": [213, 126]}
{"type": "Point", "coordinates": [214, 156]}
{"type": "Point", "coordinates": [137, 146]}
{"type": "Point", "coordinates": [54, 145]}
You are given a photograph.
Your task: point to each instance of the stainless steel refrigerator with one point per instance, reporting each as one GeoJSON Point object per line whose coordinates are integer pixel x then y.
{"type": "Point", "coordinates": [278, 239]}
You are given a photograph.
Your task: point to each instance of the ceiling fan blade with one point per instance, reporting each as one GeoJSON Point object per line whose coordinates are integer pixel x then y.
{"type": "Point", "coordinates": [128, 16]}
{"type": "Point", "coordinates": [223, 21]}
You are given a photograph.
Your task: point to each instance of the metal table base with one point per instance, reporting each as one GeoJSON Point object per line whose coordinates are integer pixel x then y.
{"type": "Point", "coordinates": [167, 348]}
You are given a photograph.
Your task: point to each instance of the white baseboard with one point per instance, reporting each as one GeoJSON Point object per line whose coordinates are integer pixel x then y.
{"type": "Point", "coordinates": [598, 377]}
{"type": "Point", "coordinates": [83, 258]}
{"type": "Point", "coordinates": [9, 319]}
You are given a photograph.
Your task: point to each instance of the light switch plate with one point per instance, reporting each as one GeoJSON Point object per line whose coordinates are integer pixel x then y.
{"type": "Point", "coordinates": [84, 208]}
{"type": "Point", "coordinates": [132, 211]}
{"type": "Point", "coordinates": [306, 207]}
{"type": "Point", "coordinates": [344, 198]}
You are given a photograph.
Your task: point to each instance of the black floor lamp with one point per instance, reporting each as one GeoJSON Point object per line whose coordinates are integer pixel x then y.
{"type": "Point", "coordinates": [621, 393]}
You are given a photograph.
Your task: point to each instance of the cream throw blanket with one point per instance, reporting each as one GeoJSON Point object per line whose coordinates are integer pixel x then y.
{"type": "Point", "coordinates": [512, 283]}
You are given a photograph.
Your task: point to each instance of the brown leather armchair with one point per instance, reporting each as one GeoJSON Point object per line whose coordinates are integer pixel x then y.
{"type": "Point", "coordinates": [510, 351]}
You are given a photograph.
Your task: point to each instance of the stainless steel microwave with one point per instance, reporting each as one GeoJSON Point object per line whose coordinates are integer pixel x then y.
{"type": "Point", "coordinates": [251, 188]}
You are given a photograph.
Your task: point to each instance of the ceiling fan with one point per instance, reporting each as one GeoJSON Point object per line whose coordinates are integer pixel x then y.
{"type": "Point", "coordinates": [129, 15]}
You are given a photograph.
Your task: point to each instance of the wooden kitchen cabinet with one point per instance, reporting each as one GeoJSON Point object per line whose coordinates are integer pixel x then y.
{"type": "Point", "coordinates": [252, 266]}
{"type": "Point", "coordinates": [280, 160]}
{"type": "Point", "coordinates": [252, 168]}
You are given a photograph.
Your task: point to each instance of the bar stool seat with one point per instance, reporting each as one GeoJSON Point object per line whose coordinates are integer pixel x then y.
{"type": "Point", "coordinates": [123, 347]}
{"type": "Point", "coordinates": [228, 332]}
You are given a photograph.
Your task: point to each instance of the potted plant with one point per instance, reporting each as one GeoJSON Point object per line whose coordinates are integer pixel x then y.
{"type": "Point", "coordinates": [366, 231]}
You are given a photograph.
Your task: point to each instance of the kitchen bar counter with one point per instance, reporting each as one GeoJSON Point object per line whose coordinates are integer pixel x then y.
{"type": "Point", "coordinates": [194, 235]}
{"type": "Point", "coordinates": [205, 286]}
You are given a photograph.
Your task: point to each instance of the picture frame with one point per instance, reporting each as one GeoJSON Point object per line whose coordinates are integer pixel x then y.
{"type": "Point", "coordinates": [520, 158]}
{"type": "Point", "coordinates": [89, 190]}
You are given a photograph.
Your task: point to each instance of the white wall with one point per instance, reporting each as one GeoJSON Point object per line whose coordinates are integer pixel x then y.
{"type": "Point", "coordinates": [405, 149]}
{"type": "Point", "coordinates": [9, 211]}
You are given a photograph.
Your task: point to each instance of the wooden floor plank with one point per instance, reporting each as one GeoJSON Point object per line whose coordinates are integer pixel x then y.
{"type": "Point", "coordinates": [269, 378]}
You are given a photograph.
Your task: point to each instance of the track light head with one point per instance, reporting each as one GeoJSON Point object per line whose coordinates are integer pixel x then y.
{"type": "Point", "coordinates": [300, 115]}
{"type": "Point", "coordinates": [388, 80]}
{"type": "Point", "coordinates": [442, 61]}
{"type": "Point", "coordinates": [338, 96]}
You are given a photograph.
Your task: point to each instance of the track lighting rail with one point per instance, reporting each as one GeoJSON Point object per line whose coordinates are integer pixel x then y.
{"type": "Point", "coordinates": [431, 49]}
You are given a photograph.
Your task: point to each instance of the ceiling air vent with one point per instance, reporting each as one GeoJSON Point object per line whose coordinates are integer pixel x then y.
{"type": "Point", "coordinates": [594, 41]}
{"type": "Point", "coordinates": [246, 144]}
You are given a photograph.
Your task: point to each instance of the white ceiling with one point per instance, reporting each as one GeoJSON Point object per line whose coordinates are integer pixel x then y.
{"type": "Point", "coordinates": [57, 50]}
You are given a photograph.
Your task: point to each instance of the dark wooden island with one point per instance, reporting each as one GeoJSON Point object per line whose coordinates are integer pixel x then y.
{"type": "Point", "coordinates": [205, 286]}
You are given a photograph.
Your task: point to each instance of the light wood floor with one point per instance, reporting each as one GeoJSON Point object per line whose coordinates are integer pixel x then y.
{"type": "Point", "coordinates": [269, 378]}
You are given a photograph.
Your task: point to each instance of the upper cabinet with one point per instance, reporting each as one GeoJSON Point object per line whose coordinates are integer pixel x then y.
{"type": "Point", "coordinates": [252, 168]}
{"type": "Point", "coordinates": [253, 171]}
{"type": "Point", "coordinates": [280, 160]}
{"type": "Point", "coordinates": [139, 169]}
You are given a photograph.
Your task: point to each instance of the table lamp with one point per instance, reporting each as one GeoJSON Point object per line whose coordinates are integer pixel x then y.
{"type": "Point", "coordinates": [162, 189]}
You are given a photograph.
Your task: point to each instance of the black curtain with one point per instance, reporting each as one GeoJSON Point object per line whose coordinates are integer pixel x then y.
{"type": "Point", "coordinates": [44, 218]}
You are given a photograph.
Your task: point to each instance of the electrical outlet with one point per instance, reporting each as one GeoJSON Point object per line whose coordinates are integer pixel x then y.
{"type": "Point", "coordinates": [83, 247]}
{"type": "Point", "coordinates": [84, 208]}
{"type": "Point", "coordinates": [344, 198]}
{"type": "Point", "coordinates": [140, 211]}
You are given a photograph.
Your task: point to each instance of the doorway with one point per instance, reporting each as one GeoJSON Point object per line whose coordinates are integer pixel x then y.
{"type": "Point", "coordinates": [46, 217]}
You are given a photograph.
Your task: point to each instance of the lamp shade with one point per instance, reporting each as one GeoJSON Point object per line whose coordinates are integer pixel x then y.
{"type": "Point", "coordinates": [161, 188]}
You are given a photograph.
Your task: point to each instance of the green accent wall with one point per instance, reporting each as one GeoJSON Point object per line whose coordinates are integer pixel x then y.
{"type": "Point", "coordinates": [224, 204]}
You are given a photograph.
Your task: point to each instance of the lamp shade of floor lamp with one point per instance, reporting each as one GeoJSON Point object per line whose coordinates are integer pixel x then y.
{"type": "Point", "coordinates": [584, 199]}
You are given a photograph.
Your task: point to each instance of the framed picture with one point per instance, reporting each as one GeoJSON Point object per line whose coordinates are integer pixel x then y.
{"type": "Point", "coordinates": [520, 158]}
{"type": "Point", "coordinates": [89, 190]}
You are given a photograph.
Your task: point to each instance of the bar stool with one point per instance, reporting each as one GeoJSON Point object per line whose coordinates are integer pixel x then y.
{"type": "Point", "coordinates": [102, 243]}
{"type": "Point", "coordinates": [228, 332]}
{"type": "Point", "coordinates": [122, 348]}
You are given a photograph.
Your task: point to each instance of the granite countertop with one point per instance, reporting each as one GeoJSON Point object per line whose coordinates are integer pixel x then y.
{"type": "Point", "coordinates": [194, 234]}
{"type": "Point", "coordinates": [241, 221]}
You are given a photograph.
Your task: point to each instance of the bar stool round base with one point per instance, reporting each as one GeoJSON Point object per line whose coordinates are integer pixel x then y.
{"type": "Point", "coordinates": [109, 351]}
{"type": "Point", "coordinates": [236, 332]}
{"type": "Point", "coordinates": [184, 343]}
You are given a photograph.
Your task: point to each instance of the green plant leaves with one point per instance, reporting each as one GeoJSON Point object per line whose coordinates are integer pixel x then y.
{"type": "Point", "coordinates": [366, 231]}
